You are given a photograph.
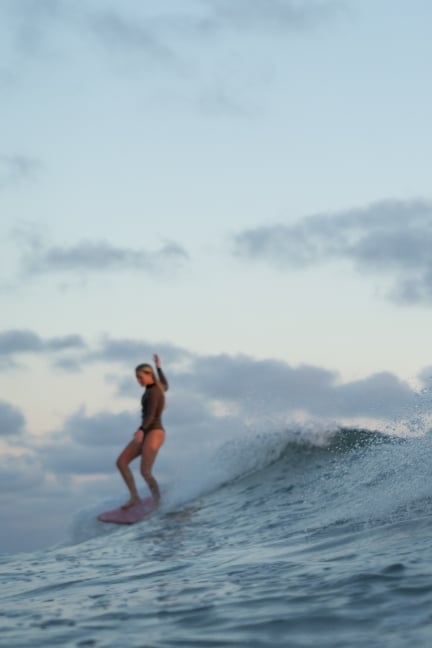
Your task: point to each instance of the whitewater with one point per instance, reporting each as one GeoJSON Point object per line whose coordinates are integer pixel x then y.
{"type": "Point", "coordinates": [293, 539]}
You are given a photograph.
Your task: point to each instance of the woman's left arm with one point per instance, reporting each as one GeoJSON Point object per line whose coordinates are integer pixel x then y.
{"type": "Point", "coordinates": [162, 378]}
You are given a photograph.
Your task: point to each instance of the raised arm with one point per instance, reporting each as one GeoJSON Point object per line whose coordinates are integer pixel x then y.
{"type": "Point", "coordinates": [162, 379]}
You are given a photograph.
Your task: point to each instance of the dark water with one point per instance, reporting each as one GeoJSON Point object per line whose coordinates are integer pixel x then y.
{"type": "Point", "coordinates": [306, 545]}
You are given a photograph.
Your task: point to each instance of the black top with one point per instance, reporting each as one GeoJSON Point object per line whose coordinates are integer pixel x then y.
{"type": "Point", "coordinates": [152, 404]}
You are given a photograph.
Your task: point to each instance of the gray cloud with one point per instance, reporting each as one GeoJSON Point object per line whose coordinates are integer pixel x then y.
{"type": "Point", "coordinates": [89, 444]}
{"type": "Point", "coordinates": [237, 377]}
{"type": "Point", "coordinates": [259, 395]}
{"type": "Point", "coordinates": [263, 15]}
{"type": "Point", "coordinates": [72, 459]}
{"type": "Point", "coordinates": [249, 387]}
{"type": "Point", "coordinates": [94, 257]}
{"type": "Point", "coordinates": [36, 30]}
{"type": "Point", "coordinates": [17, 168]}
{"type": "Point", "coordinates": [127, 353]}
{"type": "Point", "coordinates": [272, 389]}
{"type": "Point", "coordinates": [18, 341]}
{"type": "Point", "coordinates": [119, 32]}
{"type": "Point", "coordinates": [209, 18]}
{"type": "Point", "coordinates": [64, 343]}
{"type": "Point", "coordinates": [425, 376]}
{"type": "Point", "coordinates": [381, 395]}
{"type": "Point", "coordinates": [130, 353]}
{"type": "Point", "coordinates": [264, 390]}
{"type": "Point", "coordinates": [22, 341]}
{"type": "Point", "coordinates": [391, 239]}
{"type": "Point", "coordinates": [12, 421]}
{"type": "Point", "coordinates": [30, 21]}
{"type": "Point", "coordinates": [186, 40]}
{"type": "Point", "coordinates": [161, 37]}
{"type": "Point", "coordinates": [67, 364]}
{"type": "Point", "coordinates": [158, 35]}
{"type": "Point", "coordinates": [101, 429]}
{"type": "Point", "coordinates": [24, 474]}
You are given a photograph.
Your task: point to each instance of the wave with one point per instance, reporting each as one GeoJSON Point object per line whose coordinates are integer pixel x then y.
{"type": "Point", "coordinates": [342, 476]}
{"type": "Point", "coordinates": [341, 473]}
{"type": "Point", "coordinates": [246, 456]}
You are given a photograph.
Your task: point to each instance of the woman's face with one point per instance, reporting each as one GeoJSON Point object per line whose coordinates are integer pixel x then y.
{"type": "Point", "coordinates": [144, 377]}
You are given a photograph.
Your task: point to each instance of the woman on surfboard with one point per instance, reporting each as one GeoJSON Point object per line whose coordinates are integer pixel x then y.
{"type": "Point", "coordinates": [150, 435]}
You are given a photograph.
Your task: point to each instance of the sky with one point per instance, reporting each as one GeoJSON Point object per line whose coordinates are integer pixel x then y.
{"type": "Point", "coordinates": [242, 186]}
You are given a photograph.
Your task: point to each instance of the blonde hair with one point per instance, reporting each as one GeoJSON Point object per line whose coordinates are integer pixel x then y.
{"type": "Point", "coordinates": [147, 368]}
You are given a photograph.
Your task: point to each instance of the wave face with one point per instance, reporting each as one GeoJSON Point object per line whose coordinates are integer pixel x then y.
{"type": "Point", "coordinates": [292, 539]}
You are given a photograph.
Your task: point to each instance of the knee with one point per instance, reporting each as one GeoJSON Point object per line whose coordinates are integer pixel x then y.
{"type": "Point", "coordinates": [120, 463]}
{"type": "Point", "coordinates": [146, 473]}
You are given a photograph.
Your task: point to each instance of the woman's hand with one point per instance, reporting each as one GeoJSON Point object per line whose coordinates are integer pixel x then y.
{"type": "Point", "coordinates": [157, 361]}
{"type": "Point", "coordinates": [139, 436]}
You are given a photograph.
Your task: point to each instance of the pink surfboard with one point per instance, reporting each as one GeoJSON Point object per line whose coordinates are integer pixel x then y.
{"type": "Point", "coordinates": [129, 515]}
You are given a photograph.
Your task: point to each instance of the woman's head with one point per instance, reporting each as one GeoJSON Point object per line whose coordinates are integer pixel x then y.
{"type": "Point", "coordinates": [145, 374]}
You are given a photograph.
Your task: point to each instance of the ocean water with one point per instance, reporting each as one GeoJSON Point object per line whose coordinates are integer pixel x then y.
{"type": "Point", "coordinates": [293, 540]}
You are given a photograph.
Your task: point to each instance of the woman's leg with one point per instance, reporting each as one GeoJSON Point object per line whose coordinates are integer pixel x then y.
{"type": "Point", "coordinates": [152, 442]}
{"type": "Point", "coordinates": [131, 452]}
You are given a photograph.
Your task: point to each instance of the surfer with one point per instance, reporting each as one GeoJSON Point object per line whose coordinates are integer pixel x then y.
{"type": "Point", "coordinates": [150, 435]}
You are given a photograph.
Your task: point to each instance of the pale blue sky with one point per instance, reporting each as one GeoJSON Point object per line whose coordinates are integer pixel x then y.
{"type": "Point", "coordinates": [210, 179]}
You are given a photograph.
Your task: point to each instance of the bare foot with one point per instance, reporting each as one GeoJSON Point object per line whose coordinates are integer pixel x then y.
{"type": "Point", "coordinates": [133, 500]}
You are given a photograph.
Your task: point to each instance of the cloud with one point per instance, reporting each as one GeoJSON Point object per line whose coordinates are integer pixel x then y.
{"type": "Point", "coordinates": [187, 41]}
{"type": "Point", "coordinates": [207, 387]}
{"type": "Point", "coordinates": [23, 475]}
{"type": "Point", "coordinates": [381, 395]}
{"type": "Point", "coordinates": [263, 15]}
{"type": "Point", "coordinates": [162, 34]}
{"type": "Point", "coordinates": [12, 421]}
{"type": "Point", "coordinates": [425, 376]}
{"type": "Point", "coordinates": [22, 341]}
{"type": "Point", "coordinates": [127, 353]}
{"type": "Point", "coordinates": [89, 257]}
{"type": "Point", "coordinates": [390, 239]}
{"type": "Point", "coordinates": [119, 32]}
{"type": "Point", "coordinates": [29, 22]}
{"type": "Point", "coordinates": [37, 29]}
{"type": "Point", "coordinates": [89, 444]}
{"type": "Point", "coordinates": [226, 397]}
{"type": "Point", "coordinates": [101, 429]}
{"type": "Point", "coordinates": [272, 389]}
{"type": "Point", "coordinates": [69, 365]}
{"type": "Point", "coordinates": [237, 377]}
{"type": "Point", "coordinates": [18, 341]}
{"type": "Point", "coordinates": [130, 353]}
{"type": "Point", "coordinates": [156, 32]}
{"type": "Point", "coordinates": [210, 388]}
{"type": "Point", "coordinates": [15, 169]}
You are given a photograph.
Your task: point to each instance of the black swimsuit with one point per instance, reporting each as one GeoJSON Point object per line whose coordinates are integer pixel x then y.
{"type": "Point", "coordinates": [152, 404]}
